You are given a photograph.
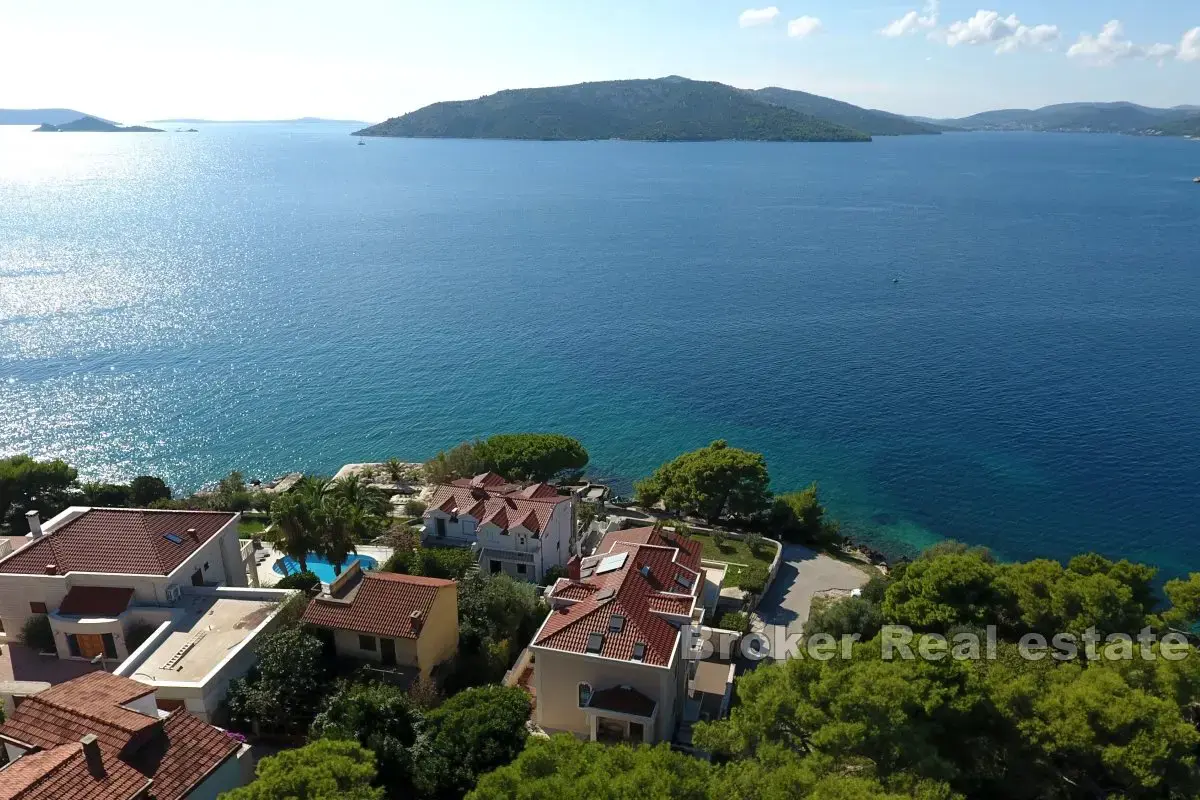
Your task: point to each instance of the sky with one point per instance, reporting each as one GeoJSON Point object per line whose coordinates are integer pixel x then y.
{"type": "Point", "coordinates": [138, 60]}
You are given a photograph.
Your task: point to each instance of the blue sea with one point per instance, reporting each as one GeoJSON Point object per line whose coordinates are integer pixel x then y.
{"type": "Point", "coordinates": [991, 337]}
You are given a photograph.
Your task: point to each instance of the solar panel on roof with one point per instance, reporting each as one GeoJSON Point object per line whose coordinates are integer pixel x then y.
{"type": "Point", "coordinates": [611, 563]}
{"type": "Point", "coordinates": [173, 538]}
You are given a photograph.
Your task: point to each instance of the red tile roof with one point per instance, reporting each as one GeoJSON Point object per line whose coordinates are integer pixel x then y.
{"type": "Point", "coordinates": [382, 605]}
{"type": "Point", "coordinates": [95, 601]}
{"type": "Point", "coordinates": [125, 541]}
{"type": "Point", "coordinates": [690, 550]}
{"type": "Point", "coordinates": [502, 504]}
{"type": "Point", "coordinates": [641, 590]}
{"type": "Point", "coordinates": [62, 773]}
{"type": "Point", "coordinates": [176, 753]}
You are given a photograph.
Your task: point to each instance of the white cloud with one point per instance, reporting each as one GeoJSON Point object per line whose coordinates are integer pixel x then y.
{"type": "Point", "coordinates": [758, 16]}
{"type": "Point", "coordinates": [804, 26]}
{"type": "Point", "coordinates": [914, 21]}
{"type": "Point", "coordinates": [1110, 46]}
{"type": "Point", "coordinates": [1008, 34]}
{"type": "Point", "coordinates": [1189, 47]}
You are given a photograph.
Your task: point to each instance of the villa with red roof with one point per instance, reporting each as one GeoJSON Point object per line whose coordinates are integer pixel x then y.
{"type": "Point", "coordinates": [609, 658]}
{"type": "Point", "coordinates": [103, 737]}
{"type": "Point", "coordinates": [518, 530]}
{"type": "Point", "coordinates": [98, 575]}
{"type": "Point", "coordinates": [408, 623]}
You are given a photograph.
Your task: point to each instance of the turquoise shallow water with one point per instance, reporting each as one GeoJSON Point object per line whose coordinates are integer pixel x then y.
{"type": "Point", "coordinates": [274, 298]}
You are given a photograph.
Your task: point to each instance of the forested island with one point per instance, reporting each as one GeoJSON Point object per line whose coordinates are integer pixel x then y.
{"type": "Point", "coordinates": [666, 110]}
{"type": "Point", "coordinates": [93, 125]}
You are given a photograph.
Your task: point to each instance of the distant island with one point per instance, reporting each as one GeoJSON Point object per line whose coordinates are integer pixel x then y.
{"type": "Point", "coordinates": [670, 109]}
{"type": "Point", "coordinates": [194, 121]}
{"type": "Point", "coordinates": [875, 123]}
{"type": "Point", "coordinates": [1127, 118]}
{"type": "Point", "coordinates": [93, 125]}
{"type": "Point", "coordinates": [41, 116]}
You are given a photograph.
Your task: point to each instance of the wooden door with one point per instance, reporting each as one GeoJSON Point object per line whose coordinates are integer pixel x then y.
{"type": "Point", "coordinates": [90, 644]}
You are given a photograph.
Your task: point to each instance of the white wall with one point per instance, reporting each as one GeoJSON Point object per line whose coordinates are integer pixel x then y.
{"type": "Point", "coordinates": [234, 772]}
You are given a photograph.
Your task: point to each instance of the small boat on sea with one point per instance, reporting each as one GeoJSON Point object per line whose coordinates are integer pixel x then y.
{"type": "Point", "coordinates": [1195, 180]}
{"type": "Point", "coordinates": [361, 143]}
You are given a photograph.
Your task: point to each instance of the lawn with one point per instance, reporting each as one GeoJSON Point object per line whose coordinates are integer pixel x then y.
{"type": "Point", "coordinates": [736, 551]}
{"type": "Point", "coordinates": [249, 527]}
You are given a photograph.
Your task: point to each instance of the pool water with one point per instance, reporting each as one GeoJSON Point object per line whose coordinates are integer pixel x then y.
{"type": "Point", "coordinates": [321, 567]}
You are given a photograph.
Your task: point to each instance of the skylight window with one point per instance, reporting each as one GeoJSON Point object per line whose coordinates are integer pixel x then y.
{"type": "Point", "coordinates": [616, 624]}
{"type": "Point", "coordinates": [639, 651]}
{"type": "Point", "coordinates": [173, 538]}
{"type": "Point", "coordinates": [595, 643]}
{"type": "Point", "coordinates": [683, 580]}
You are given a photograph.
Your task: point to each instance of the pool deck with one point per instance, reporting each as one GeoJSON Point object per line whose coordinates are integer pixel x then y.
{"type": "Point", "coordinates": [267, 576]}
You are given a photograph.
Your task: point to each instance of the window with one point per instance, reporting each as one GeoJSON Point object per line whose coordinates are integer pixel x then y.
{"type": "Point", "coordinates": [520, 569]}
{"type": "Point", "coordinates": [110, 645]}
{"type": "Point", "coordinates": [616, 623]}
{"type": "Point", "coordinates": [37, 608]}
{"type": "Point", "coordinates": [585, 694]}
{"type": "Point", "coordinates": [683, 580]}
{"type": "Point", "coordinates": [595, 643]}
{"type": "Point", "coordinates": [441, 528]}
{"type": "Point", "coordinates": [366, 643]}
{"type": "Point", "coordinates": [495, 567]}
{"type": "Point", "coordinates": [639, 651]}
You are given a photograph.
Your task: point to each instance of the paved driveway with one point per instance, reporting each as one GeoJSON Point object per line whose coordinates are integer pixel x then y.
{"type": "Point", "coordinates": [802, 573]}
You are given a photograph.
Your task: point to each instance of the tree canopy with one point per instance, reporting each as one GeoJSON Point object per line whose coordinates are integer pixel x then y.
{"type": "Point", "coordinates": [380, 718]}
{"type": "Point", "coordinates": [516, 456]}
{"type": "Point", "coordinates": [26, 484]}
{"type": "Point", "coordinates": [710, 482]}
{"type": "Point", "coordinates": [532, 456]}
{"type": "Point", "coordinates": [292, 669]}
{"type": "Point", "coordinates": [327, 769]}
{"type": "Point", "coordinates": [144, 490]}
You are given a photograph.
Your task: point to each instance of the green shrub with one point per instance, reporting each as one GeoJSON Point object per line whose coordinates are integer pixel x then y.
{"type": "Point", "coordinates": [414, 508]}
{"type": "Point", "coordinates": [37, 634]}
{"type": "Point", "coordinates": [298, 580]}
{"type": "Point", "coordinates": [754, 580]}
{"type": "Point", "coordinates": [735, 621]}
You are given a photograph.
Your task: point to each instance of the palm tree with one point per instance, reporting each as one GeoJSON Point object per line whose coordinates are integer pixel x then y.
{"type": "Point", "coordinates": [296, 519]}
{"type": "Point", "coordinates": [395, 469]}
{"type": "Point", "coordinates": [369, 506]}
{"type": "Point", "coordinates": [339, 520]}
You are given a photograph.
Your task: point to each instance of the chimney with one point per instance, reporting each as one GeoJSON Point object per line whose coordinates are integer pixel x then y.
{"type": "Point", "coordinates": [192, 533]}
{"type": "Point", "coordinates": [415, 617]}
{"type": "Point", "coordinates": [91, 752]}
{"type": "Point", "coordinates": [35, 523]}
{"type": "Point", "coordinates": [51, 569]}
{"type": "Point", "coordinates": [573, 566]}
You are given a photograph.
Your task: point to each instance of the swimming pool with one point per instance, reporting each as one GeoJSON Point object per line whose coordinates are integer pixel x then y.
{"type": "Point", "coordinates": [320, 567]}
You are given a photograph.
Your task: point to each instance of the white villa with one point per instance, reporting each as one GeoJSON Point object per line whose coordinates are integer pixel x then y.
{"type": "Point", "coordinates": [520, 530]}
{"type": "Point", "coordinates": [98, 574]}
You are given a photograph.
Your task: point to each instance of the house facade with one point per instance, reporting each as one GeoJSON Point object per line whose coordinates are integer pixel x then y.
{"type": "Point", "coordinates": [103, 737]}
{"type": "Point", "coordinates": [402, 622]}
{"type": "Point", "coordinates": [521, 531]}
{"type": "Point", "coordinates": [162, 596]}
{"type": "Point", "coordinates": [610, 659]}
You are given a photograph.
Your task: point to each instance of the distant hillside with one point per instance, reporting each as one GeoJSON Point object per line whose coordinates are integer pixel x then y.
{"type": "Point", "coordinates": [1081, 117]}
{"type": "Point", "coordinates": [93, 125]}
{"type": "Point", "coordinates": [37, 116]}
{"type": "Point", "coordinates": [666, 109]}
{"type": "Point", "coordinates": [876, 123]}
{"type": "Point", "coordinates": [191, 121]}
